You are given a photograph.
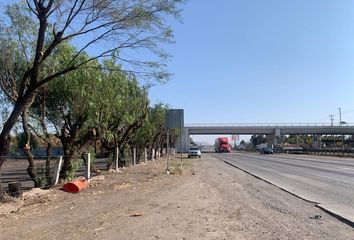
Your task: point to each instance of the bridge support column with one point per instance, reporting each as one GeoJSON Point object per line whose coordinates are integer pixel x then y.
{"type": "Point", "coordinates": [317, 141]}
{"type": "Point", "coordinates": [272, 140]}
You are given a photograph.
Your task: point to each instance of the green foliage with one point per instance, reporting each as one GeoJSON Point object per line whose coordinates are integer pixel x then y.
{"type": "Point", "coordinates": [258, 139]}
{"type": "Point", "coordinates": [99, 91]}
{"type": "Point", "coordinates": [121, 105]}
{"type": "Point", "coordinates": [110, 159]}
{"type": "Point", "coordinates": [75, 165]}
{"type": "Point", "coordinates": [40, 178]}
{"type": "Point", "coordinates": [91, 151]}
{"type": "Point", "coordinates": [153, 132]}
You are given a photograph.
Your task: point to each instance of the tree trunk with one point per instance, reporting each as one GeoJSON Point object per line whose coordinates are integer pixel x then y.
{"type": "Point", "coordinates": [5, 138]}
{"type": "Point", "coordinates": [93, 168]}
{"type": "Point", "coordinates": [19, 107]}
{"type": "Point", "coordinates": [110, 163]}
{"type": "Point", "coordinates": [4, 149]}
{"type": "Point", "coordinates": [106, 146]}
{"type": "Point", "coordinates": [48, 175]}
{"type": "Point", "coordinates": [68, 157]}
{"type": "Point", "coordinates": [31, 170]}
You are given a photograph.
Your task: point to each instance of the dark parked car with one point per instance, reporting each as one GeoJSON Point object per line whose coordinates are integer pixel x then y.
{"type": "Point", "coordinates": [266, 150]}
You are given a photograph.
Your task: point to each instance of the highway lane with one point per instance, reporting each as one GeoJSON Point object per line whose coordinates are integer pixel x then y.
{"type": "Point", "coordinates": [329, 181]}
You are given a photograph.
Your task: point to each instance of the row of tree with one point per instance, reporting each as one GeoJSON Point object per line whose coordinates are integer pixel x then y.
{"type": "Point", "coordinates": [307, 141]}
{"type": "Point", "coordinates": [74, 65]}
{"type": "Point", "coordinates": [100, 103]}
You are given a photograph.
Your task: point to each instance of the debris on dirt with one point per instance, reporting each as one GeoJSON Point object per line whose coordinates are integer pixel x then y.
{"type": "Point", "coordinates": [97, 193]}
{"type": "Point", "coordinates": [33, 197]}
{"type": "Point", "coordinates": [98, 229]}
{"type": "Point", "coordinates": [114, 171]}
{"type": "Point", "coordinates": [35, 192]}
{"type": "Point", "coordinates": [10, 207]}
{"type": "Point", "coordinates": [137, 214]}
{"type": "Point", "coordinates": [97, 178]}
{"type": "Point", "coordinates": [316, 217]}
{"type": "Point", "coordinates": [121, 186]}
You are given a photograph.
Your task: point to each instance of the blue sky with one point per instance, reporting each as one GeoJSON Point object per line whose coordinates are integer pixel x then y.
{"type": "Point", "coordinates": [262, 61]}
{"type": "Point", "coordinates": [256, 61]}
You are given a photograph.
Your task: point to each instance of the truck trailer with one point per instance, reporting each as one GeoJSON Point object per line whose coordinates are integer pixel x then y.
{"type": "Point", "coordinates": [222, 145]}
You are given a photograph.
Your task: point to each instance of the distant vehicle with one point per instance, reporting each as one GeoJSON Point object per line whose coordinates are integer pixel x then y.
{"type": "Point", "coordinates": [242, 147]}
{"type": "Point", "coordinates": [262, 145]}
{"type": "Point", "coordinates": [266, 150]}
{"type": "Point", "coordinates": [194, 152]}
{"type": "Point", "coordinates": [222, 145]}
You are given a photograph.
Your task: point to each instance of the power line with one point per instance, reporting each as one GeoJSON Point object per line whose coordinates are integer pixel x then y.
{"type": "Point", "coordinates": [349, 111]}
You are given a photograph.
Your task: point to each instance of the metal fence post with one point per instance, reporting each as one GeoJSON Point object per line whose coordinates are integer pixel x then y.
{"type": "Point", "coordinates": [57, 172]}
{"type": "Point", "coordinates": [117, 159]}
{"type": "Point", "coordinates": [88, 164]}
{"type": "Point", "coordinates": [145, 155]}
{"type": "Point", "coordinates": [134, 156]}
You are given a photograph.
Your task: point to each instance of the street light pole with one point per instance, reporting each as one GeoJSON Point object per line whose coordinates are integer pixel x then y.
{"type": "Point", "coordinates": [334, 140]}
{"type": "Point", "coordinates": [340, 124]}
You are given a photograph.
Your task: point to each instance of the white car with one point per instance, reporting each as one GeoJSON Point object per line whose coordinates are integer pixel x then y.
{"type": "Point", "coordinates": [194, 152]}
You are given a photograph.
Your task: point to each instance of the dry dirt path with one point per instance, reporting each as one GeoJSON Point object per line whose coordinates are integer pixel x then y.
{"type": "Point", "coordinates": [210, 200]}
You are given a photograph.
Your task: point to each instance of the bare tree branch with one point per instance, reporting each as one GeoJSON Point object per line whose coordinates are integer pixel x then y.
{"type": "Point", "coordinates": [30, 7]}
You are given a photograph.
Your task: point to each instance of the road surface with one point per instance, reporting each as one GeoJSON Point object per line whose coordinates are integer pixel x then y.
{"type": "Point", "coordinates": [328, 181]}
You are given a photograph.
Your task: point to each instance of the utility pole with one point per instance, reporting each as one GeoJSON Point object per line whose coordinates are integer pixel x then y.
{"type": "Point", "coordinates": [340, 116]}
{"type": "Point", "coordinates": [340, 124]}
{"type": "Point", "coordinates": [334, 139]}
{"type": "Point", "coordinates": [331, 116]}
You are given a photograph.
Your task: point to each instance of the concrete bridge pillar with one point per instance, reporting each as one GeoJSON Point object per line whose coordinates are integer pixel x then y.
{"type": "Point", "coordinates": [317, 141]}
{"type": "Point", "coordinates": [272, 140]}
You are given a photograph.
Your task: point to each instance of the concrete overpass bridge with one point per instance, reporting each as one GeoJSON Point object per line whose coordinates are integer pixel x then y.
{"type": "Point", "coordinates": [271, 130]}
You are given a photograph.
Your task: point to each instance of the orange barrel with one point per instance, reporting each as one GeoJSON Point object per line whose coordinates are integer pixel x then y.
{"type": "Point", "coordinates": [76, 185]}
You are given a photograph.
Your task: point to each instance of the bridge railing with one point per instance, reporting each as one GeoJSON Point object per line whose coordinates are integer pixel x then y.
{"type": "Point", "coordinates": [324, 152]}
{"type": "Point", "coordinates": [309, 124]}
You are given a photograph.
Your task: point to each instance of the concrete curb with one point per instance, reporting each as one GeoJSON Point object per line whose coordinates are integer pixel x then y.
{"type": "Point", "coordinates": [333, 214]}
{"type": "Point", "coordinates": [339, 217]}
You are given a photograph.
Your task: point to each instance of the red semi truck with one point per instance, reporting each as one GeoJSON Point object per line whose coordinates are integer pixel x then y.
{"type": "Point", "coordinates": [222, 145]}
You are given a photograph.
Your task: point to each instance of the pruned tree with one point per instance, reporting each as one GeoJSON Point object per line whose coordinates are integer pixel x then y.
{"type": "Point", "coordinates": [122, 110]}
{"type": "Point", "coordinates": [153, 134]}
{"type": "Point", "coordinates": [35, 29]}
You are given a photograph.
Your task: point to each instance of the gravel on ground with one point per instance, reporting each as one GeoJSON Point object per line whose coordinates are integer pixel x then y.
{"type": "Point", "coordinates": [207, 200]}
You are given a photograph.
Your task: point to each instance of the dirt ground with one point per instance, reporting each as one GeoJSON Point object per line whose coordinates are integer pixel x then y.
{"type": "Point", "coordinates": [208, 200]}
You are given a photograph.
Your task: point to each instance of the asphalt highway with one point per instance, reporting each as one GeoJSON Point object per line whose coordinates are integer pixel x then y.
{"type": "Point", "coordinates": [328, 181]}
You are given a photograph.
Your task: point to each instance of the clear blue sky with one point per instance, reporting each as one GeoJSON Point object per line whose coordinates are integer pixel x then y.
{"type": "Point", "coordinates": [262, 61]}
{"type": "Point", "coordinates": [256, 61]}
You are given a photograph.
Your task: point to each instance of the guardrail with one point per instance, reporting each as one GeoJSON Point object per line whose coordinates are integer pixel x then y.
{"type": "Point", "coordinates": [323, 152]}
